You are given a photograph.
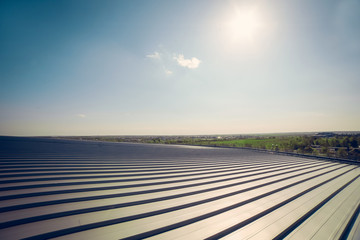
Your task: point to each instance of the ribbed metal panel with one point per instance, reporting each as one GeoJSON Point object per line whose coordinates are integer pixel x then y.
{"type": "Point", "coordinates": [88, 190]}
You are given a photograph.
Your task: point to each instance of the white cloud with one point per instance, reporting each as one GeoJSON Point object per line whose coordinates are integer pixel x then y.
{"type": "Point", "coordinates": [189, 63]}
{"type": "Point", "coordinates": [80, 115]}
{"type": "Point", "coordinates": [163, 59]}
{"type": "Point", "coordinates": [155, 55]}
{"type": "Point", "coordinates": [168, 72]}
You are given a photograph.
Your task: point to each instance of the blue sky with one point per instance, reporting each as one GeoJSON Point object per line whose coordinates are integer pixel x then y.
{"type": "Point", "coordinates": [178, 67]}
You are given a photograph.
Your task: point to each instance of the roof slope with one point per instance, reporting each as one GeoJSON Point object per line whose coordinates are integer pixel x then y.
{"type": "Point", "coordinates": [89, 190]}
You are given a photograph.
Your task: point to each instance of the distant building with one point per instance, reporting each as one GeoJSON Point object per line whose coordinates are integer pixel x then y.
{"type": "Point", "coordinates": [325, 134]}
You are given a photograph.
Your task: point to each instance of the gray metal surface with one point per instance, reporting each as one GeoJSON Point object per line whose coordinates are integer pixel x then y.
{"type": "Point", "coordinates": [90, 190]}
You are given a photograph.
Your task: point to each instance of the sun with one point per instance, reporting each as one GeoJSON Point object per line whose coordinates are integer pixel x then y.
{"type": "Point", "coordinates": [244, 25]}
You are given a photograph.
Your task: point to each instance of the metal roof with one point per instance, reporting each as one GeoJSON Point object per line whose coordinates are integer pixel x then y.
{"type": "Point", "coordinates": [90, 190]}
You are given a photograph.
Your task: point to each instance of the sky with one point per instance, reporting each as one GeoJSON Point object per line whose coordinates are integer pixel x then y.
{"type": "Point", "coordinates": [156, 67]}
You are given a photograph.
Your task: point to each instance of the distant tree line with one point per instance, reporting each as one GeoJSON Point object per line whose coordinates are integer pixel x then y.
{"type": "Point", "coordinates": [338, 146]}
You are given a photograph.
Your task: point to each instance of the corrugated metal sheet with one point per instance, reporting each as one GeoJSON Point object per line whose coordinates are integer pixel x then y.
{"type": "Point", "coordinates": [87, 190]}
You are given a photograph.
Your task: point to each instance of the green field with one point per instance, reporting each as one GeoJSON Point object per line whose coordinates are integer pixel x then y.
{"type": "Point", "coordinates": [268, 143]}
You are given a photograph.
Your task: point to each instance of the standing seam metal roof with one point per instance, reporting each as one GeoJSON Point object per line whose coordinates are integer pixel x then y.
{"type": "Point", "coordinates": [88, 190]}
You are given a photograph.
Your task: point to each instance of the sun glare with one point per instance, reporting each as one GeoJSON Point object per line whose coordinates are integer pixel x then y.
{"type": "Point", "coordinates": [244, 25]}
